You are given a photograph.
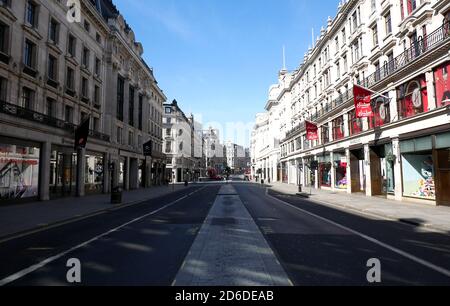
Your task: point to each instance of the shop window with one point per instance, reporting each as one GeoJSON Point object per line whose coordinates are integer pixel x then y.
{"type": "Point", "coordinates": [341, 170]}
{"type": "Point", "coordinates": [19, 172]}
{"type": "Point", "coordinates": [338, 128]}
{"type": "Point", "coordinates": [325, 134]}
{"type": "Point", "coordinates": [93, 179]}
{"type": "Point", "coordinates": [381, 113]}
{"type": "Point", "coordinates": [325, 174]}
{"type": "Point", "coordinates": [442, 85]}
{"type": "Point", "coordinates": [413, 98]}
{"type": "Point", "coordinates": [355, 124]}
{"type": "Point", "coordinates": [418, 175]}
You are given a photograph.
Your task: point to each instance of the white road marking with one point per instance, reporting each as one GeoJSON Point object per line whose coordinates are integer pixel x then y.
{"type": "Point", "coordinates": [45, 262]}
{"type": "Point", "coordinates": [371, 239]}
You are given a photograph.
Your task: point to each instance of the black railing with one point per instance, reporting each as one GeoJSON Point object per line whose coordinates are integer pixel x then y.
{"type": "Point", "coordinates": [28, 114]}
{"type": "Point", "coordinates": [418, 48]}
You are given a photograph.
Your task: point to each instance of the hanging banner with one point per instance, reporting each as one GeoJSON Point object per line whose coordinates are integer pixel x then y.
{"type": "Point", "coordinates": [362, 98]}
{"type": "Point", "coordinates": [312, 131]}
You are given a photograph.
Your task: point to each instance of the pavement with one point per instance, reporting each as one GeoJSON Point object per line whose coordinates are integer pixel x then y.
{"type": "Point", "coordinates": [433, 217]}
{"type": "Point", "coordinates": [16, 219]}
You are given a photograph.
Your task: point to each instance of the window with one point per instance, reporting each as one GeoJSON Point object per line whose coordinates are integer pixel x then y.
{"type": "Point", "coordinates": [338, 128]}
{"type": "Point", "coordinates": [87, 26]}
{"type": "Point", "coordinates": [96, 124]}
{"type": "Point", "coordinates": [52, 68]}
{"type": "Point", "coordinates": [412, 98]}
{"type": "Point", "coordinates": [30, 54]}
{"type": "Point", "coordinates": [70, 79]}
{"type": "Point", "coordinates": [338, 70]}
{"type": "Point", "coordinates": [168, 110]}
{"type": "Point", "coordinates": [354, 21]}
{"type": "Point", "coordinates": [54, 31]}
{"type": "Point", "coordinates": [96, 96]}
{"type": "Point", "coordinates": [375, 36]}
{"type": "Point", "coordinates": [336, 41]}
{"type": "Point", "coordinates": [120, 98]}
{"type": "Point", "coordinates": [411, 6]}
{"type": "Point", "coordinates": [355, 124]}
{"type": "Point", "coordinates": [130, 138]}
{"type": "Point", "coordinates": [168, 147]}
{"type": "Point", "coordinates": [168, 132]}
{"type": "Point", "coordinates": [131, 107]}
{"type": "Point", "coordinates": [344, 41]}
{"type": "Point", "coordinates": [344, 58]}
{"type": "Point", "coordinates": [141, 112]}
{"type": "Point", "coordinates": [325, 134]}
{"type": "Point", "coordinates": [31, 14]}
{"type": "Point", "coordinates": [85, 59]}
{"type": "Point", "coordinates": [51, 107]}
{"type": "Point", "coordinates": [3, 88]}
{"type": "Point", "coordinates": [68, 114]}
{"type": "Point", "coordinates": [4, 38]}
{"type": "Point", "coordinates": [71, 45]}
{"type": "Point", "coordinates": [388, 23]}
{"type": "Point", "coordinates": [98, 64]}
{"type": "Point", "coordinates": [119, 135]}
{"type": "Point", "coordinates": [381, 113]}
{"type": "Point", "coordinates": [84, 87]}
{"type": "Point", "coordinates": [6, 3]}
{"type": "Point", "coordinates": [373, 5]}
{"type": "Point", "coordinates": [98, 38]}
{"type": "Point", "coordinates": [27, 98]}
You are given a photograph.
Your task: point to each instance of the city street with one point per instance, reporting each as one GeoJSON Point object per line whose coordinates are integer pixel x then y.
{"type": "Point", "coordinates": [228, 234]}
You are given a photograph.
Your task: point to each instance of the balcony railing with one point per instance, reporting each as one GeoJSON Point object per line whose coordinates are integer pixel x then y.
{"type": "Point", "coordinates": [419, 48]}
{"type": "Point", "coordinates": [25, 113]}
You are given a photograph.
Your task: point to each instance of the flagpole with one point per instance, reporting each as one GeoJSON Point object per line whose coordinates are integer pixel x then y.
{"type": "Point", "coordinates": [373, 91]}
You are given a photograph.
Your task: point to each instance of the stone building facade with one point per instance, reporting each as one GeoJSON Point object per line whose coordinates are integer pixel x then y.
{"type": "Point", "coordinates": [400, 50]}
{"type": "Point", "coordinates": [55, 74]}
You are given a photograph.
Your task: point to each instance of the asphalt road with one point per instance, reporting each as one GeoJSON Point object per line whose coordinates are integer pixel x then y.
{"type": "Point", "coordinates": [146, 251]}
{"type": "Point", "coordinates": [146, 244]}
{"type": "Point", "coordinates": [319, 245]}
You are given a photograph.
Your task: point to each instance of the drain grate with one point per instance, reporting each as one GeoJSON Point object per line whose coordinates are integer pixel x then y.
{"type": "Point", "coordinates": [223, 221]}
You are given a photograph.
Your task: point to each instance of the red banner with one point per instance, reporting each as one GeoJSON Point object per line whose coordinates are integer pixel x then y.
{"type": "Point", "coordinates": [312, 131]}
{"type": "Point", "coordinates": [362, 98]}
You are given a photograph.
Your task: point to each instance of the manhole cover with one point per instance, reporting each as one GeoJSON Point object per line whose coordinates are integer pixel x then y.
{"type": "Point", "coordinates": [223, 221]}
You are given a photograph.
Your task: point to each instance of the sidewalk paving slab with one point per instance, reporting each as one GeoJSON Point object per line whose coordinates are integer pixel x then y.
{"type": "Point", "coordinates": [22, 218]}
{"type": "Point", "coordinates": [433, 217]}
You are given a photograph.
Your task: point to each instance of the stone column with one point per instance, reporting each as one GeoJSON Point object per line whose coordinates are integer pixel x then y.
{"type": "Point", "coordinates": [81, 169]}
{"type": "Point", "coordinates": [367, 171]}
{"type": "Point", "coordinates": [333, 172]}
{"type": "Point", "coordinates": [397, 169]}
{"type": "Point", "coordinates": [349, 171]}
{"type": "Point", "coordinates": [430, 90]}
{"type": "Point", "coordinates": [126, 175]}
{"type": "Point", "coordinates": [316, 173]}
{"type": "Point", "coordinates": [44, 171]}
{"type": "Point", "coordinates": [330, 130]}
{"type": "Point", "coordinates": [106, 173]}
{"type": "Point", "coordinates": [346, 126]}
{"type": "Point", "coordinates": [393, 105]}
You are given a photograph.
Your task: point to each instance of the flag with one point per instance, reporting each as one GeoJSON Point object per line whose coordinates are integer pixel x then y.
{"type": "Point", "coordinates": [311, 131]}
{"type": "Point", "coordinates": [363, 99]}
{"type": "Point", "coordinates": [148, 146]}
{"type": "Point", "coordinates": [81, 134]}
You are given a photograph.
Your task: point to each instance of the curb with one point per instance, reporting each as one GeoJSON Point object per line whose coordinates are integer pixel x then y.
{"type": "Point", "coordinates": [39, 228]}
{"type": "Point", "coordinates": [346, 208]}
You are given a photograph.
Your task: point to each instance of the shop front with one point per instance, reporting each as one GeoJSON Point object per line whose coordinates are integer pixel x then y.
{"type": "Point", "coordinates": [426, 168]}
{"type": "Point", "coordinates": [340, 163]}
{"type": "Point", "coordinates": [324, 171]}
{"type": "Point", "coordinates": [94, 173]}
{"type": "Point", "coordinates": [63, 172]}
{"type": "Point", "coordinates": [382, 169]}
{"type": "Point", "coordinates": [284, 172]}
{"type": "Point", "coordinates": [418, 168]}
{"type": "Point", "coordinates": [357, 170]}
{"type": "Point", "coordinates": [19, 170]}
{"type": "Point", "coordinates": [443, 168]}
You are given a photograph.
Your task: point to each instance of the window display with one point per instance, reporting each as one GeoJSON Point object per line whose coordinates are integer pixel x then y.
{"type": "Point", "coordinates": [442, 84]}
{"type": "Point", "coordinates": [325, 174]}
{"type": "Point", "coordinates": [413, 97]}
{"type": "Point", "coordinates": [93, 179]}
{"type": "Point", "coordinates": [418, 174]}
{"type": "Point", "coordinates": [19, 171]}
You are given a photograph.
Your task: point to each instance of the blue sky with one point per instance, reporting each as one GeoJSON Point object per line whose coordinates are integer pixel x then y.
{"type": "Point", "coordinates": [219, 57]}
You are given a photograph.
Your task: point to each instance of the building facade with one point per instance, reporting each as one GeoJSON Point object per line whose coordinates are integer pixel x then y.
{"type": "Point", "coordinates": [54, 75]}
{"type": "Point", "coordinates": [400, 50]}
{"type": "Point", "coordinates": [215, 152]}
